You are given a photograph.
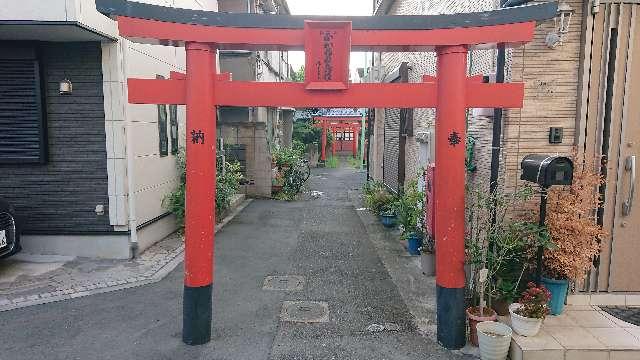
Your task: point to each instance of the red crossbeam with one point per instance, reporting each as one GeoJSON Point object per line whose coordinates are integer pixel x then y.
{"type": "Point", "coordinates": [338, 126]}
{"type": "Point", "coordinates": [338, 118]}
{"type": "Point", "coordinates": [232, 38]}
{"type": "Point", "coordinates": [373, 95]}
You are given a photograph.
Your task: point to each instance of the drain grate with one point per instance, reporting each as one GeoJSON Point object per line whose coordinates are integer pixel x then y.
{"type": "Point", "coordinates": [305, 311]}
{"type": "Point", "coordinates": [283, 283]}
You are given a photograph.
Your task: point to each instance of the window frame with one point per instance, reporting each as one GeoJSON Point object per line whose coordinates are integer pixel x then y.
{"type": "Point", "coordinates": [31, 53]}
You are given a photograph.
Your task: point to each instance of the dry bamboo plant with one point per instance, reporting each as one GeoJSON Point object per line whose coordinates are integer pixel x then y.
{"type": "Point", "coordinates": [572, 223]}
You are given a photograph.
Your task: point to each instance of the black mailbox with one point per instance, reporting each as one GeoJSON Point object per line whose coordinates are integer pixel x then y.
{"type": "Point", "coordinates": [547, 170]}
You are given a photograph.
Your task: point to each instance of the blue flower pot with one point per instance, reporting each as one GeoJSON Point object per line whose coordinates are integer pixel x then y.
{"type": "Point", "coordinates": [558, 290]}
{"type": "Point", "coordinates": [413, 244]}
{"type": "Point", "coordinates": [388, 221]}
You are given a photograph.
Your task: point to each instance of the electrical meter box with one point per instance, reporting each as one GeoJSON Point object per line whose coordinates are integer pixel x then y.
{"type": "Point", "coordinates": [547, 170]}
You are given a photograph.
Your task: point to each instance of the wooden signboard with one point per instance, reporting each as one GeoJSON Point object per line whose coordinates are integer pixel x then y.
{"type": "Point", "coordinates": [327, 45]}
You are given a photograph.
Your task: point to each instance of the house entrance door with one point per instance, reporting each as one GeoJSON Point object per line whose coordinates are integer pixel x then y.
{"type": "Point", "coordinates": [613, 131]}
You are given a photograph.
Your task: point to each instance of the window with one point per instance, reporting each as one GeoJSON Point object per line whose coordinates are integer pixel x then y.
{"type": "Point", "coordinates": [162, 127]}
{"type": "Point", "coordinates": [22, 126]}
{"type": "Point", "coordinates": [173, 123]}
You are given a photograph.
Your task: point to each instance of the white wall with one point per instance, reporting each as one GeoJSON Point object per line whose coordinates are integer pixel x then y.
{"type": "Point", "coordinates": [81, 11]}
{"type": "Point", "coordinates": [154, 176]}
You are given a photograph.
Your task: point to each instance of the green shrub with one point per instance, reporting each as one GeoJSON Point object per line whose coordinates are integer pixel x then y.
{"type": "Point", "coordinates": [376, 197]}
{"type": "Point", "coordinates": [227, 185]}
{"type": "Point", "coordinates": [332, 162]}
{"type": "Point", "coordinates": [288, 161]}
{"type": "Point", "coordinates": [409, 208]}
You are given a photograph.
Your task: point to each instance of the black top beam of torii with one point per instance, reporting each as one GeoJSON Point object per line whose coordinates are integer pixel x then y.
{"type": "Point", "coordinates": [518, 14]}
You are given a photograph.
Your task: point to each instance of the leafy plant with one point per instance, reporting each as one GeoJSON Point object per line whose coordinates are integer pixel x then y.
{"type": "Point", "coordinates": [355, 162]}
{"type": "Point", "coordinates": [332, 162]}
{"type": "Point", "coordinates": [572, 224]}
{"type": "Point", "coordinates": [305, 133]}
{"type": "Point", "coordinates": [290, 169]}
{"type": "Point", "coordinates": [286, 156]}
{"type": "Point", "coordinates": [175, 201]}
{"type": "Point", "coordinates": [409, 207]}
{"type": "Point", "coordinates": [533, 303]}
{"type": "Point", "coordinates": [503, 247]}
{"type": "Point", "coordinates": [376, 197]}
{"type": "Point", "coordinates": [227, 185]}
{"type": "Point", "coordinates": [298, 75]}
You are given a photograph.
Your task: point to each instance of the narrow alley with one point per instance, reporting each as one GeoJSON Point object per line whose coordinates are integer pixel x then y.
{"type": "Point", "coordinates": [320, 240]}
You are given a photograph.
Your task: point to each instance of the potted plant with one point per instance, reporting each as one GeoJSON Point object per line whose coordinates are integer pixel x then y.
{"type": "Point", "coordinates": [529, 312]}
{"type": "Point", "coordinates": [477, 315]}
{"type": "Point", "coordinates": [376, 198]}
{"type": "Point", "coordinates": [428, 256]}
{"type": "Point", "coordinates": [497, 250]}
{"type": "Point", "coordinates": [408, 207]}
{"type": "Point", "coordinates": [575, 232]}
{"type": "Point", "coordinates": [388, 216]}
{"type": "Point", "coordinates": [494, 340]}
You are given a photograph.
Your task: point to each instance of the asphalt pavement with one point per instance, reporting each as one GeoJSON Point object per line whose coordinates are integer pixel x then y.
{"type": "Point", "coordinates": [320, 238]}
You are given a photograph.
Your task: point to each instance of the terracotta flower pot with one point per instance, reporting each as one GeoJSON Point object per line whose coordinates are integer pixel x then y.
{"type": "Point", "coordinates": [523, 325]}
{"type": "Point", "coordinates": [473, 314]}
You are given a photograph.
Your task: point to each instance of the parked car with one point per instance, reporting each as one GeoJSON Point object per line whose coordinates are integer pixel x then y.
{"type": "Point", "coordinates": [9, 230]}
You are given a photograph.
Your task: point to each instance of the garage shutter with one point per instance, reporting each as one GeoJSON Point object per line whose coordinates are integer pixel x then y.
{"type": "Point", "coordinates": [391, 148]}
{"type": "Point", "coordinates": [22, 137]}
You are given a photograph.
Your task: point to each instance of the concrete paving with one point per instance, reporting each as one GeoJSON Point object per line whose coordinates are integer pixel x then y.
{"type": "Point", "coordinates": [320, 238]}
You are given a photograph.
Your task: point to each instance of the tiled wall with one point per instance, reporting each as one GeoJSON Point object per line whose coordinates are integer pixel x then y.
{"type": "Point", "coordinates": [551, 80]}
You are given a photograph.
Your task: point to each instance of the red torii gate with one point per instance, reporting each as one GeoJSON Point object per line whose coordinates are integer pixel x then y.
{"type": "Point", "coordinates": [327, 42]}
{"type": "Point", "coordinates": [333, 123]}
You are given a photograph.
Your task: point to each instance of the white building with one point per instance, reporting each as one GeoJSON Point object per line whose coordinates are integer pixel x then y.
{"type": "Point", "coordinates": [85, 170]}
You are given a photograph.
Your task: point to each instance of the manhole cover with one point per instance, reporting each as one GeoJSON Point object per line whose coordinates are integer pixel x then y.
{"type": "Point", "coordinates": [305, 311]}
{"type": "Point", "coordinates": [283, 283]}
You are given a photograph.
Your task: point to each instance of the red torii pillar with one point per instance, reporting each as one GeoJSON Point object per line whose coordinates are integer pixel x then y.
{"type": "Point", "coordinates": [333, 143]}
{"type": "Point", "coordinates": [323, 155]}
{"type": "Point", "coordinates": [200, 193]}
{"type": "Point", "coordinates": [452, 85]}
{"type": "Point", "coordinates": [354, 146]}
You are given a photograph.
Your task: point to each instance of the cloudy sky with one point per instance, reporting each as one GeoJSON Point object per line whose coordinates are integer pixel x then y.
{"type": "Point", "coordinates": [329, 7]}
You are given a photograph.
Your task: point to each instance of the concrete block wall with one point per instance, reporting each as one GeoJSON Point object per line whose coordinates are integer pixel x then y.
{"type": "Point", "coordinates": [254, 137]}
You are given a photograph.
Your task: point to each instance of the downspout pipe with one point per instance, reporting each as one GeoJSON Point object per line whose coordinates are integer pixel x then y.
{"type": "Point", "coordinates": [131, 201]}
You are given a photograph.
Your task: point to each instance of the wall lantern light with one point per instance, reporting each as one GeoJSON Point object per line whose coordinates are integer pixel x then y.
{"type": "Point", "coordinates": [65, 87]}
{"type": "Point", "coordinates": [562, 22]}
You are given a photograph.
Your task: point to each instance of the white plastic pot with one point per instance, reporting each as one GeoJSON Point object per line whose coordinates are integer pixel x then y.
{"type": "Point", "coordinates": [494, 339]}
{"type": "Point", "coordinates": [523, 325]}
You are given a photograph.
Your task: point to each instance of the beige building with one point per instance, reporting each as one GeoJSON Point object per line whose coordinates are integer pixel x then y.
{"type": "Point", "coordinates": [584, 85]}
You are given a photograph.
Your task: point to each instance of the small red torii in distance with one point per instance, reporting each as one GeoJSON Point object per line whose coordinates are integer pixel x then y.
{"type": "Point", "coordinates": [201, 89]}
{"type": "Point", "coordinates": [332, 123]}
